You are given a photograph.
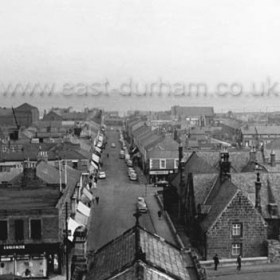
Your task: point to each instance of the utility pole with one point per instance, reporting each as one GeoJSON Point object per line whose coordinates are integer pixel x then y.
{"type": "Point", "coordinates": [66, 240]}
{"type": "Point", "coordinates": [180, 166]}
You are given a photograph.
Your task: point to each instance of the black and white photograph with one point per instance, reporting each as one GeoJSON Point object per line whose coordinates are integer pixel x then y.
{"type": "Point", "coordinates": [139, 140]}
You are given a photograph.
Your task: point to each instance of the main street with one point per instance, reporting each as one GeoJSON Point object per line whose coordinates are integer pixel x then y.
{"type": "Point", "coordinates": [117, 199]}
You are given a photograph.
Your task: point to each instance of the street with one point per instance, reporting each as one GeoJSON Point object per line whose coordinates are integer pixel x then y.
{"type": "Point", "coordinates": [274, 275]}
{"type": "Point", "coordinates": [117, 199]}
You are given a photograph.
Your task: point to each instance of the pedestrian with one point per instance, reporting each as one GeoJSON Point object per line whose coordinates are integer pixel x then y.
{"type": "Point", "coordinates": [216, 261]}
{"type": "Point", "coordinates": [97, 199]}
{"type": "Point", "coordinates": [159, 214]}
{"type": "Point", "coordinates": [238, 260]}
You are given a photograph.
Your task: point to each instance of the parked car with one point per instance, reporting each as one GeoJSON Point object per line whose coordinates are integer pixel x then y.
{"type": "Point", "coordinates": [133, 176]}
{"type": "Point", "coordinates": [129, 163]}
{"type": "Point", "coordinates": [122, 154]}
{"type": "Point", "coordinates": [113, 145]}
{"type": "Point", "coordinates": [141, 205]}
{"type": "Point", "coordinates": [130, 170]}
{"type": "Point", "coordinates": [101, 175]}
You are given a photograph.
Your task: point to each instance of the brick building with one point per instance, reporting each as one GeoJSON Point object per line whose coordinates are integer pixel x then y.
{"type": "Point", "coordinates": [26, 114]}
{"type": "Point", "coordinates": [32, 219]}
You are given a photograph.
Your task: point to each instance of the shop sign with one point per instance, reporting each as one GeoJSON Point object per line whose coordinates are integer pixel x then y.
{"type": "Point", "coordinates": [14, 247]}
{"type": "Point", "coordinates": [160, 172]}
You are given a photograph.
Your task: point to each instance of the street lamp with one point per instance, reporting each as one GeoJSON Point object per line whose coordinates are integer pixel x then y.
{"type": "Point", "coordinates": [180, 149]}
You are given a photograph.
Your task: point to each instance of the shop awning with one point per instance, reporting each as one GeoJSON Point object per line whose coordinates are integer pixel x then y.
{"type": "Point", "coordinates": [80, 218]}
{"type": "Point", "coordinates": [82, 208]}
{"type": "Point", "coordinates": [72, 226]}
{"type": "Point", "coordinates": [91, 169]}
{"type": "Point", "coordinates": [95, 158]}
{"type": "Point", "coordinates": [94, 165]}
{"type": "Point", "coordinates": [87, 193]}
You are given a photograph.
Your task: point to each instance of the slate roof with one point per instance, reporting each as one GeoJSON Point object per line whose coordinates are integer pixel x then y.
{"type": "Point", "coordinates": [163, 154]}
{"type": "Point", "coordinates": [248, 130]}
{"type": "Point", "coordinates": [220, 196]}
{"type": "Point", "coordinates": [216, 195]}
{"type": "Point", "coordinates": [39, 198]}
{"type": "Point", "coordinates": [6, 111]}
{"type": "Point", "coordinates": [194, 111]}
{"type": "Point", "coordinates": [25, 106]}
{"type": "Point", "coordinates": [196, 165]}
{"type": "Point", "coordinates": [8, 176]}
{"type": "Point", "coordinates": [203, 183]}
{"type": "Point", "coordinates": [117, 259]}
{"type": "Point", "coordinates": [238, 158]}
{"type": "Point", "coordinates": [50, 174]}
{"type": "Point", "coordinates": [269, 190]}
{"type": "Point", "coordinates": [168, 144]}
{"type": "Point", "coordinates": [268, 129]}
{"type": "Point", "coordinates": [150, 142]}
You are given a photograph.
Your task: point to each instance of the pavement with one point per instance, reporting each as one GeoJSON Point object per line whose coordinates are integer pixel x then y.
{"type": "Point", "coordinates": [231, 270]}
{"type": "Point", "coordinates": [161, 225]}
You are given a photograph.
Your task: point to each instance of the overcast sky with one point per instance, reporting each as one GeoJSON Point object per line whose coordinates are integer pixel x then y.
{"type": "Point", "coordinates": [88, 41]}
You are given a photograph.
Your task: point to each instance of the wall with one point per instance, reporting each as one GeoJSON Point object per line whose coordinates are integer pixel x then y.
{"type": "Point", "coordinates": [220, 239]}
{"type": "Point", "coordinates": [273, 250]}
{"type": "Point", "coordinates": [49, 225]}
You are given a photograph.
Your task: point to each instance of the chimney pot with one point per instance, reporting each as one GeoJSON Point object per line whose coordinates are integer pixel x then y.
{"type": "Point", "coordinates": [272, 158]}
{"type": "Point", "coordinates": [258, 186]}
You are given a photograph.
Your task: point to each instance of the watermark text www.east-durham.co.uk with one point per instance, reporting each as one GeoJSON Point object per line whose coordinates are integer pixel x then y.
{"type": "Point", "coordinates": [159, 88]}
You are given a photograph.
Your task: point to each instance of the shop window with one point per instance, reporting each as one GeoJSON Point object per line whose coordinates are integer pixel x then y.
{"type": "Point", "coordinates": [75, 164]}
{"type": "Point", "coordinates": [19, 230]}
{"type": "Point", "coordinates": [237, 229]}
{"type": "Point", "coordinates": [35, 226]}
{"type": "Point", "coordinates": [4, 230]}
{"type": "Point", "coordinates": [236, 249]}
{"type": "Point", "coordinates": [162, 163]}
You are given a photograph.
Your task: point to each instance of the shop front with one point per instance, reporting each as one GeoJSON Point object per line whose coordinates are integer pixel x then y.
{"type": "Point", "coordinates": [30, 260]}
{"type": "Point", "coordinates": [156, 176]}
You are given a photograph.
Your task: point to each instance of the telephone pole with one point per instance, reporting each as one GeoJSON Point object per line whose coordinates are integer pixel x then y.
{"type": "Point", "coordinates": [66, 240]}
{"type": "Point", "coordinates": [180, 167]}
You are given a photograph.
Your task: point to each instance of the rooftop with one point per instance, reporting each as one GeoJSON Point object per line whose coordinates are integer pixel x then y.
{"type": "Point", "coordinates": [158, 259]}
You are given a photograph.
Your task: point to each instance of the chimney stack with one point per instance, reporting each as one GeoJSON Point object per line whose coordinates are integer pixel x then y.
{"type": "Point", "coordinates": [225, 165]}
{"type": "Point", "coordinates": [29, 173]}
{"type": "Point", "coordinates": [253, 153]}
{"type": "Point", "coordinates": [272, 158]}
{"type": "Point", "coordinates": [42, 156]}
{"type": "Point", "coordinates": [258, 186]}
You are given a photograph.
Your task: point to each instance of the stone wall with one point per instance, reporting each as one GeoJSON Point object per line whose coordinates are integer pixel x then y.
{"type": "Point", "coordinates": [273, 250]}
{"type": "Point", "coordinates": [254, 230]}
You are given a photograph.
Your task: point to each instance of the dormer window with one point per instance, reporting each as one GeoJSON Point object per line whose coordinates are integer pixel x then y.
{"type": "Point", "coordinates": [273, 209]}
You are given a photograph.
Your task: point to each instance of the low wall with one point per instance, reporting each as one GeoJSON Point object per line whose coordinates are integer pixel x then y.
{"type": "Point", "coordinates": [232, 262]}
{"type": "Point", "coordinates": [273, 250]}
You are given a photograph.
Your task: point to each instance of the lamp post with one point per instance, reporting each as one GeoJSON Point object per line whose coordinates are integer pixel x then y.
{"type": "Point", "coordinates": [180, 166]}
{"type": "Point", "coordinates": [66, 234]}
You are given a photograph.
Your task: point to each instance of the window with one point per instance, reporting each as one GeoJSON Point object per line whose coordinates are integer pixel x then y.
{"type": "Point", "coordinates": [35, 228]}
{"type": "Point", "coordinates": [162, 163]}
{"type": "Point", "coordinates": [19, 230]}
{"type": "Point", "coordinates": [4, 230]}
{"type": "Point", "coordinates": [75, 164]}
{"type": "Point", "coordinates": [236, 249]}
{"type": "Point", "coordinates": [237, 229]}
